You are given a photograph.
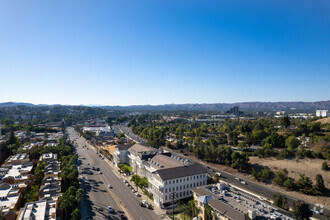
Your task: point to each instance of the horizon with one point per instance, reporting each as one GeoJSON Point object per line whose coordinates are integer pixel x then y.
{"type": "Point", "coordinates": [127, 53]}
{"type": "Point", "coordinates": [99, 105]}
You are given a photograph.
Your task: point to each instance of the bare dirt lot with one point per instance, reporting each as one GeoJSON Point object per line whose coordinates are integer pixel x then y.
{"type": "Point", "coordinates": [309, 167]}
{"type": "Point", "coordinates": [324, 120]}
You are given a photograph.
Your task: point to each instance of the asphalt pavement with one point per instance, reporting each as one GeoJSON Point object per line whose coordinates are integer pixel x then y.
{"type": "Point", "coordinates": [99, 196]}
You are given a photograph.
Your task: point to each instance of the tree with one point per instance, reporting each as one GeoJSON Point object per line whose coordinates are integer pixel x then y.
{"type": "Point", "coordinates": [289, 184]}
{"type": "Point", "coordinates": [305, 185]}
{"type": "Point", "coordinates": [292, 142]}
{"type": "Point", "coordinates": [76, 215]}
{"type": "Point", "coordinates": [301, 211]}
{"type": "Point", "coordinates": [280, 177]}
{"type": "Point", "coordinates": [216, 178]}
{"type": "Point", "coordinates": [280, 201]}
{"type": "Point", "coordinates": [325, 166]}
{"type": "Point", "coordinates": [285, 121]}
{"type": "Point", "coordinates": [319, 186]}
{"type": "Point", "coordinates": [275, 140]}
{"type": "Point", "coordinates": [190, 208]}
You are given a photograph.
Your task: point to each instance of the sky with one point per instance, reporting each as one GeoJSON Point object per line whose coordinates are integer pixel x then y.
{"type": "Point", "coordinates": [121, 52]}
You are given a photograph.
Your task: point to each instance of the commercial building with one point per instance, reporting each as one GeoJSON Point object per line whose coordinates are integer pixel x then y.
{"type": "Point", "coordinates": [167, 174]}
{"type": "Point", "coordinates": [175, 183]}
{"type": "Point", "coordinates": [120, 154]}
{"type": "Point", "coordinates": [229, 203]}
{"type": "Point", "coordinates": [322, 113]}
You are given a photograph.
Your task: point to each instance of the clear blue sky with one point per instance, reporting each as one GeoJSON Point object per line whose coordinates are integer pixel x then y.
{"type": "Point", "coordinates": [120, 52]}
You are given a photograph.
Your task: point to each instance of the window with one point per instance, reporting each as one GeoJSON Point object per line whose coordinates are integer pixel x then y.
{"type": "Point", "coordinates": [194, 184]}
{"type": "Point", "coordinates": [165, 197]}
{"type": "Point", "coordinates": [165, 183]}
{"type": "Point", "coordinates": [200, 184]}
{"type": "Point", "coordinates": [173, 189]}
{"type": "Point", "coordinates": [169, 189]}
{"type": "Point", "coordinates": [165, 190]}
{"type": "Point", "coordinates": [184, 193]}
{"type": "Point", "coordinates": [177, 188]}
{"type": "Point", "coordinates": [180, 194]}
{"type": "Point", "coordinates": [184, 186]}
{"type": "Point", "coordinates": [190, 185]}
{"type": "Point", "coordinates": [177, 181]}
{"type": "Point", "coordinates": [180, 180]}
{"type": "Point", "coordinates": [194, 177]}
{"type": "Point", "coordinates": [173, 181]}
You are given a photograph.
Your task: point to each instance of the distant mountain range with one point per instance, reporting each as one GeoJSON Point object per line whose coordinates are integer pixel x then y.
{"type": "Point", "coordinates": [248, 106]}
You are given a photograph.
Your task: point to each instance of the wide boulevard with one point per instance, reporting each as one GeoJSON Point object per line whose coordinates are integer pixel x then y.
{"type": "Point", "coordinates": [98, 196]}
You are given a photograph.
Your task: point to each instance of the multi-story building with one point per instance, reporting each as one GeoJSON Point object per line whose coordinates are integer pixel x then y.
{"type": "Point", "coordinates": [171, 184]}
{"type": "Point", "coordinates": [322, 113]}
{"type": "Point", "coordinates": [120, 155]}
{"type": "Point", "coordinates": [41, 210]}
{"type": "Point", "coordinates": [229, 203]}
{"type": "Point", "coordinates": [10, 198]}
{"type": "Point", "coordinates": [17, 169]}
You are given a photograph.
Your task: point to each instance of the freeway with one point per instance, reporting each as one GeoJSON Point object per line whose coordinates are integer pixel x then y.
{"type": "Point", "coordinates": [98, 195]}
{"type": "Point", "coordinates": [253, 187]}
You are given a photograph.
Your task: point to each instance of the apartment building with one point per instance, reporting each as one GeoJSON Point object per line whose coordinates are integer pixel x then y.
{"type": "Point", "coordinates": [322, 113]}
{"type": "Point", "coordinates": [40, 210]}
{"type": "Point", "coordinates": [10, 198]}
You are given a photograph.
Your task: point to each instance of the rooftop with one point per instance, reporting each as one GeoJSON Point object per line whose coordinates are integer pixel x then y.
{"type": "Point", "coordinates": [164, 162]}
{"type": "Point", "coordinates": [182, 171]}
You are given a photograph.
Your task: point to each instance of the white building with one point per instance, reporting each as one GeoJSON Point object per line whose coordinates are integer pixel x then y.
{"type": "Point", "coordinates": [322, 113]}
{"type": "Point", "coordinates": [9, 198]}
{"type": "Point", "coordinates": [120, 155]}
{"type": "Point", "coordinates": [177, 182]}
{"type": "Point", "coordinates": [40, 210]}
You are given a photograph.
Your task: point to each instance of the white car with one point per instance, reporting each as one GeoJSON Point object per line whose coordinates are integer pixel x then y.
{"type": "Point", "coordinates": [109, 186]}
{"type": "Point", "coordinates": [110, 209]}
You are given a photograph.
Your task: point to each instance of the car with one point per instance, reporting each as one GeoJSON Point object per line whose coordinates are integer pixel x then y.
{"type": "Point", "coordinates": [125, 181]}
{"type": "Point", "coordinates": [98, 169]}
{"type": "Point", "coordinates": [137, 194]}
{"type": "Point", "coordinates": [133, 190]}
{"type": "Point", "coordinates": [100, 172]}
{"type": "Point", "coordinates": [109, 186]}
{"type": "Point", "coordinates": [127, 184]}
{"type": "Point", "coordinates": [144, 203]}
{"type": "Point", "coordinates": [243, 182]}
{"type": "Point", "coordinates": [150, 206]}
{"type": "Point", "coordinates": [110, 209]}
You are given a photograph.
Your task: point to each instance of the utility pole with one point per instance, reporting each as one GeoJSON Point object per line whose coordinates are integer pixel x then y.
{"type": "Point", "coordinates": [172, 195]}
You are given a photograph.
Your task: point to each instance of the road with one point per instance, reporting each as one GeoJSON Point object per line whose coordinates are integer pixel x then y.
{"type": "Point", "coordinates": [253, 187]}
{"type": "Point", "coordinates": [98, 195]}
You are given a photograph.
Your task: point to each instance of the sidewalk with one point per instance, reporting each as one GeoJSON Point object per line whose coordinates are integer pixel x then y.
{"type": "Point", "coordinates": [160, 212]}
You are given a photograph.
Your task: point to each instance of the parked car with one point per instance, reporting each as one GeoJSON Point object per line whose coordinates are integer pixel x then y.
{"type": "Point", "coordinates": [110, 209]}
{"type": "Point", "coordinates": [109, 186]}
{"type": "Point", "coordinates": [137, 194]}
